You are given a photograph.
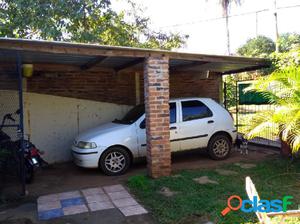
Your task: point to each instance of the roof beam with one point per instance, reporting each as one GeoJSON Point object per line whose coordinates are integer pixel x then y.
{"type": "Point", "coordinates": [93, 62]}
{"type": "Point", "coordinates": [247, 69]}
{"type": "Point", "coordinates": [187, 66]}
{"type": "Point", "coordinates": [129, 64]}
{"type": "Point", "coordinates": [97, 50]}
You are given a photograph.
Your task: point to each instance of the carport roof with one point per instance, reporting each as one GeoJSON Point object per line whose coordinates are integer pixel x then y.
{"type": "Point", "coordinates": [86, 56]}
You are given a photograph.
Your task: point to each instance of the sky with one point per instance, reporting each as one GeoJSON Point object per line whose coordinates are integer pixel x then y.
{"type": "Point", "coordinates": [208, 35]}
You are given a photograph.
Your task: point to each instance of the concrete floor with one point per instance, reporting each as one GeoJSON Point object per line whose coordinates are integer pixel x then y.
{"type": "Point", "coordinates": [67, 177]}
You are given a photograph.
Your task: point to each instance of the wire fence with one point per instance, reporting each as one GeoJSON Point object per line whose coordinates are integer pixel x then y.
{"type": "Point", "coordinates": [245, 107]}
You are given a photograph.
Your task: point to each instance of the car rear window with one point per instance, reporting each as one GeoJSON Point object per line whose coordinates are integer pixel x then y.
{"type": "Point", "coordinates": [194, 109]}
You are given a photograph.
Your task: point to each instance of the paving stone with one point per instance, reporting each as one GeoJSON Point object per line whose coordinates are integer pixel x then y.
{"type": "Point", "coordinates": [96, 206]}
{"type": "Point", "coordinates": [92, 191]}
{"type": "Point", "coordinates": [72, 202]}
{"type": "Point", "coordinates": [226, 172]}
{"type": "Point", "coordinates": [165, 191]}
{"type": "Point", "coordinates": [97, 198]}
{"type": "Point", "coordinates": [119, 195]}
{"type": "Point", "coordinates": [50, 214]}
{"type": "Point", "coordinates": [133, 210]}
{"type": "Point", "coordinates": [114, 188]}
{"type": "Point", "coordinates": [75, 209]}
{"type": "Point", "coordinates": [70, 194]}
{"type": "Point", "coordinates": [124, 202]}
{"type": "Point", "coordinates": [205, 180]}
{"type": "Point", "coordinates": [47, 198]}
{"type": "Point", "coordinates": [48, 205]}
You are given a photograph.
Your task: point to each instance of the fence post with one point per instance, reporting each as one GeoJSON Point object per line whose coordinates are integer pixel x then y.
{"type": "Point", "coordinates": [21, 127]}
{"type": "Point", "coordinates": [237, 106]}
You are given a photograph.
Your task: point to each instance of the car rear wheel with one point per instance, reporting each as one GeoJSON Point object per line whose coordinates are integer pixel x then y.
{"type": "Point", "coordinates": [115, 161]}
{"type": "Point", "coordinates": [219, 147]}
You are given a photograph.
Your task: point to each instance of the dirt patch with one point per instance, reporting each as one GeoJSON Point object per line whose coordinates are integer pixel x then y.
{"type": "Point", "coordinates": [226, 172]}
{"type": "Point", "coordinates": [205, 180]}
{"type": "Point", "coordinates": [68, 177]}
{"type": "Point", "coordinates": [165, 191]}
{"type": "Point", "coordinates": [245, 165]}
{"type": "Point", "coordinates": [17, 221]}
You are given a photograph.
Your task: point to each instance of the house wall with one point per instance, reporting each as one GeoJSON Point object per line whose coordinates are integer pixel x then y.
{"type": "Point", "coordinates": [106, 86]}
{"type": "Point", "coordinates": [52, 122]}
{"type": "Point", "coordinates": [60, 104]}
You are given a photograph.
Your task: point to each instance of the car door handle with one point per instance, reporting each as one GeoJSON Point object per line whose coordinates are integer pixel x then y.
{"type": "Point", "coordinates": [173, 128]}
{"type": "Point", "coordinates": [210, 121]}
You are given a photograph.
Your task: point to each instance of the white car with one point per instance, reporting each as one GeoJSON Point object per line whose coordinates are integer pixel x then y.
{"type": "Point", "coordinates": [194, 123]}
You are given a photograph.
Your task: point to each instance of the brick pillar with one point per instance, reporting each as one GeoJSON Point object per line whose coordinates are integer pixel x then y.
{"type": "Point", "coordinates": [156, 84]}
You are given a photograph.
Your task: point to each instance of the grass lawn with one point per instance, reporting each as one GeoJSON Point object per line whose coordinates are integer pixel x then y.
{"type": "Point", "coordinates": [273, 178]}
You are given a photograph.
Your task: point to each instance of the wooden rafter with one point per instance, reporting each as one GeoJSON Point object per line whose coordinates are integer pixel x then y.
{"type": "Point", "coordinates": [95, 61]}
{"type": "Point", "coordinates": [129, 64]}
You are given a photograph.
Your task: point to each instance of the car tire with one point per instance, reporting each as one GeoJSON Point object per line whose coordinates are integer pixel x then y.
{"type": "Point", "coordinates": [114, 161]}
{"type": "Point", "coordinates": [219, 147]}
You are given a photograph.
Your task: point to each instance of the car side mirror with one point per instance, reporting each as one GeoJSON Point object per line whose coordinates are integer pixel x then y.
{"type": "Point", "coordinates": [143, 125]}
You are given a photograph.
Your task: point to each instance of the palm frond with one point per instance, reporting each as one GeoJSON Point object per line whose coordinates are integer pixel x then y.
{"type": "Point", "coordinates": [281, 88]}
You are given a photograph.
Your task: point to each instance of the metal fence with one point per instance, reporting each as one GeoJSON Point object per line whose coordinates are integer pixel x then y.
{"type": "Point", "coordinates": [11, 129]}
{"type": "Point", "coordinates": [244, 107]}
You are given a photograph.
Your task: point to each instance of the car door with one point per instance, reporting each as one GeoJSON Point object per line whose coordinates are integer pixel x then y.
{"type": "Point", "coordinates": [196, 124]}
{"type": "Point", "coordinates": [141, 130]}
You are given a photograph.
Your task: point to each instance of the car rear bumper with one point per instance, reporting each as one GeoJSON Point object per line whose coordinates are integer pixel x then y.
{"type": "Point", "coordinates": [86, 159]}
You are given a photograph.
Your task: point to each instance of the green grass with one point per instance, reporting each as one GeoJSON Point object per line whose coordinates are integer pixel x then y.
{"type": "Point", "coordinates": [273, 179]}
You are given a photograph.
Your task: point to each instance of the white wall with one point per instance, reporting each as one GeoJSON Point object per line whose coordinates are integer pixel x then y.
{"type": "Point", "coordinates": [53, 122]}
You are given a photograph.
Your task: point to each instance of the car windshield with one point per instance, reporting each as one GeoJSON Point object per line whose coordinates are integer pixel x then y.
{"type": "Point", "coordinates": [132, 115]}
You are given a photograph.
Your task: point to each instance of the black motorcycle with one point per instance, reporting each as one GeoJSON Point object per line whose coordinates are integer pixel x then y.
{"type": "Point", "coordinates": [11, 154]}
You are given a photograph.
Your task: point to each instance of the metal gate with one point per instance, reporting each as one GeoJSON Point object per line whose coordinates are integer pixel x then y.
{"type": "Point", "coordinates": [244, 106]}
{"type": "Point", "coordinates": [11, 126]}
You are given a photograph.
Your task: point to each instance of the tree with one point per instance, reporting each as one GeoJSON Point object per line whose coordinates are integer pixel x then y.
{"type": "Point", "coordinates": [260, 46]}
{"type": "Point", "coordinates": [91, 21]}
{"type": "Point", "coordinates": [288, 41]}
{"type": "Point", "coordinates": [263, 46]}
{"type": "Point", "coordinates": [226, 7]}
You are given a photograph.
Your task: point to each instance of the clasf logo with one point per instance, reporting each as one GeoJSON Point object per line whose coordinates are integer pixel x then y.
{"type": "Point", "coordinates": [256, 205]}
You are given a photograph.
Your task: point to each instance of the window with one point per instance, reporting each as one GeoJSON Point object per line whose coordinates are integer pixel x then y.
{"type": "Point", "coordinates": [172, 115]}
{"type": "Point", "coordinates": [194, 109]}
{"type": "Point", "coordinates": [132, 115]}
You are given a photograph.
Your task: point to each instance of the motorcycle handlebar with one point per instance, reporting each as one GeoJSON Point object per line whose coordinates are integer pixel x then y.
{"type": "Point", "coordinates": [9, 117]}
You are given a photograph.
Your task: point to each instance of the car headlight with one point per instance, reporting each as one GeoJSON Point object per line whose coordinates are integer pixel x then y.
{"type": "Point", "coordinates": [86, 145]}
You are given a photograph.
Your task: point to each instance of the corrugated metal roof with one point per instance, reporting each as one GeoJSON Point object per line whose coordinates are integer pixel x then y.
{"type": "Point", "coordinates": [48, 52]}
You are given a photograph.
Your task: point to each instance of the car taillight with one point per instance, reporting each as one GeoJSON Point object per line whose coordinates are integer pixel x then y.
{"type": "Point", "coordinates": [34, 152]}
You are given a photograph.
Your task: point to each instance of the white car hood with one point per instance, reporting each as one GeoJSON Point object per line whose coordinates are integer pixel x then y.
{"type": "Point", "coordinates": [100, 130]}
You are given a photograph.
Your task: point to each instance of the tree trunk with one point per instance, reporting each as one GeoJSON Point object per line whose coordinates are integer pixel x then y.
{"type": "Point", "coordinates": [227, 32]}
{"type": "Point", "coordinates": [276, 26]}
{"type": "Point", "coordinates": [286, 150]}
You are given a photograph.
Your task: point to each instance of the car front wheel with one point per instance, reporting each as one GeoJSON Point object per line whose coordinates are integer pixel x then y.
{"type": "Point", "coordinates": [115, 161]}
{"type": "Point", "coordinates": [219, 147]}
